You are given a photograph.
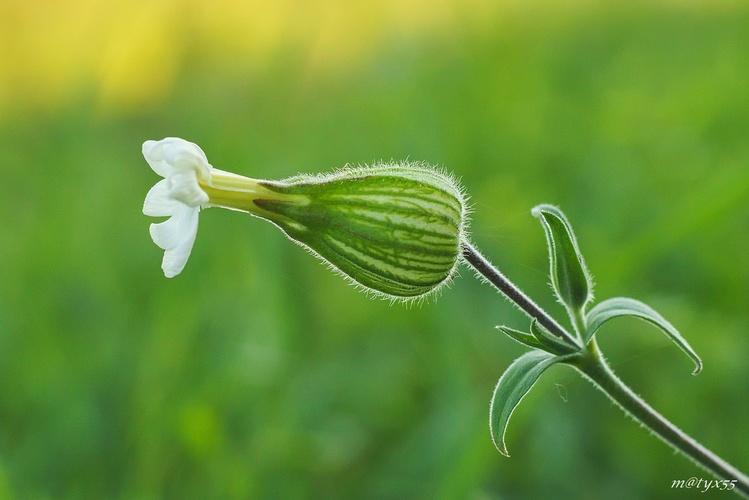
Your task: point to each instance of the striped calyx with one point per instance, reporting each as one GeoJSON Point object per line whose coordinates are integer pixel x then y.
{"type": "Point", "coordinates": [394, 229]}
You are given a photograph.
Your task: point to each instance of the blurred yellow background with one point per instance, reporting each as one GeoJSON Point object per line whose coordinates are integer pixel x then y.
{"type": "Point", "coordinates": [130, 53]}
{"type": "Point", "coordinates": [257, 373]}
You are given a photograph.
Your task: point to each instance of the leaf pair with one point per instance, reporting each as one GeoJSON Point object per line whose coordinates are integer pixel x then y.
{"type": "Point", "coordinates": [574, 286]}
{"type": "Point", "coordinates": [523, 373]}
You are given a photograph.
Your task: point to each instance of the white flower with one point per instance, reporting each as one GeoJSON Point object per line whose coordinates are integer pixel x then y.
{"type": "Point", "coordinates": [178, 196]}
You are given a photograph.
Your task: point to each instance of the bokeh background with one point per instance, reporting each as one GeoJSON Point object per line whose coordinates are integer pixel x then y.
{"type": "Point", "coordinates": [257, 373]}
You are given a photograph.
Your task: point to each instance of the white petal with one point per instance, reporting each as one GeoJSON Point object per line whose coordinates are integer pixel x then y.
{"type": "Point", "coordinates": [174, 148]}
{"type": "Point", "coordinates": [175, 259]}
{"type": "Point", "coordinates": [183, 155]}
{"type": "Point", "coordinates": [173, 154]}
{"type": "Point", "coordinates": [184, 187]}
{"type": "Point", "coordinates": [159, 203]}
{"type": "Point", "coordinates": [173, 232]}
{"type": "Point", "coordinates": [153, 152]}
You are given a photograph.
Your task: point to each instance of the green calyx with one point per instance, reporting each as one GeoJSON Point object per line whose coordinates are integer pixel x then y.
{"type": "Point", "coordinates": [394, 229]}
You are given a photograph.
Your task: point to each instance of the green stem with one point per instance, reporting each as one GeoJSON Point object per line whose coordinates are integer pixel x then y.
{"type": "Point", "coordinates": [578, 321]}
{"type": "Point", "coordinates": [593, 366]}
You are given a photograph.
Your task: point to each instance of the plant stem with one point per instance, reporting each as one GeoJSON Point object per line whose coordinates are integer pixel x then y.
{"type": "Point", "coordinates": [593, 365]}
{"type": "Point", "coordinates": [578, 322]}
{"type": "Point", "coordinates": [512, 292]}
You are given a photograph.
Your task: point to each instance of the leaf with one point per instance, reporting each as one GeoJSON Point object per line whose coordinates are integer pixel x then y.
{"type": "Point", "coordinates": [521, 337]}
{"type": "Point", "coordinates": [623, 306]}
{"type": "Point", "coordinates": [551, 342]}
{"type": "Point", "coordinates": [569, 276]}
{"type": "Point", "coordinates": [513, 385]}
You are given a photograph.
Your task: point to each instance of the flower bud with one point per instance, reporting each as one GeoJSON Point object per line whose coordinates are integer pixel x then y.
{"type": "Point", "coordinates": [394, 229]}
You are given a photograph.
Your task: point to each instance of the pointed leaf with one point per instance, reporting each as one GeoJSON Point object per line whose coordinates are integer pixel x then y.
{"type": "Point", "coordinates": [521, 337]}
{"type": "Point", "coordinates": [623, 306]}
{"type": "Point", "coordinates": [569, 276]}
{"type": "Point", "coordinates": [551, 342]}
{"type": "Point", "coordinates": [513, 385]}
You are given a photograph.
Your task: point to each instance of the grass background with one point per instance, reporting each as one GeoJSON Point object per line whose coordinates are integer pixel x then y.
{"type": "Point", "coordinates": [257, 373]}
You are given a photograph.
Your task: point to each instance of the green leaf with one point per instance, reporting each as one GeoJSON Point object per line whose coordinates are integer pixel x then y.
{"type": "Point", "coordinates": [551, 342]}
{"type": "Point", "coordinates": [521, 337]}
{"type": "Point", "coordinates": [623, 306]}
{"type": "Point", "coordinates": [569, 276]}
{"type": "Point", "coordinates": [513, 385]}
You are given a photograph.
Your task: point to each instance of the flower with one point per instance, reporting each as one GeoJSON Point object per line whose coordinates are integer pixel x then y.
{"type": "Point", "coordinates": [190, 183]}
{"type": "Point", "coordinates": [393, 229]}
{"type": "Point", "coordinates": [178, 196]}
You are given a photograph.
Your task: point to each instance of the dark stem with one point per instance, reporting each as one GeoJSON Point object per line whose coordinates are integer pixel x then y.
{"type": "Point", "coordinates": [512, 292]}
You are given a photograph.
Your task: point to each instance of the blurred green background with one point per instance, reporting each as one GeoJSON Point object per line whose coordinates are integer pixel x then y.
{"type": "Point", "coordinates": [257, 373]}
